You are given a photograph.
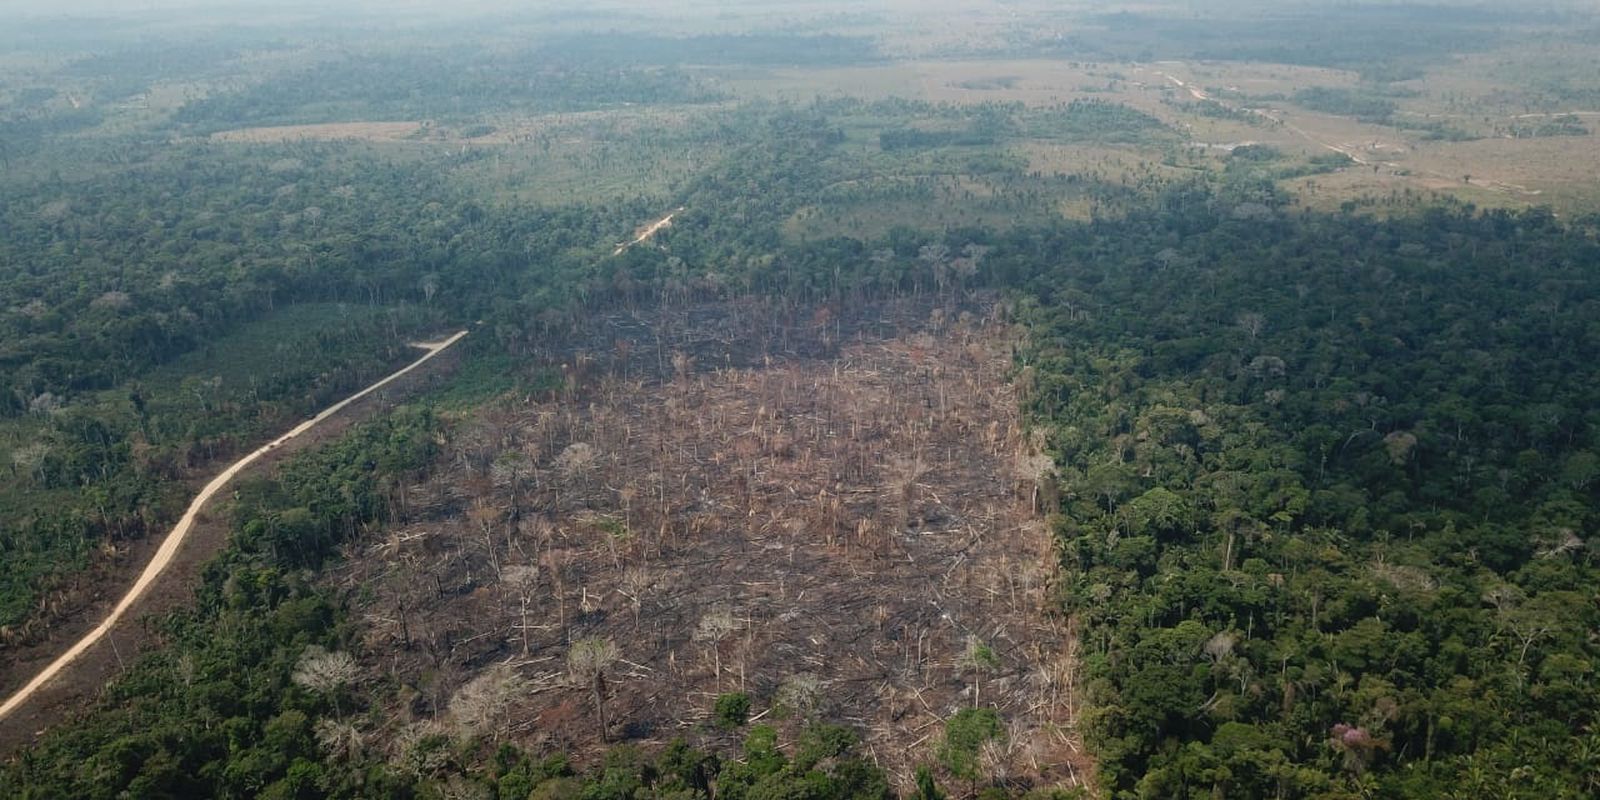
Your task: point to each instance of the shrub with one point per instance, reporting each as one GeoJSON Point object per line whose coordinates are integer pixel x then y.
{"type": "Point", "coordinates": [733, 710]}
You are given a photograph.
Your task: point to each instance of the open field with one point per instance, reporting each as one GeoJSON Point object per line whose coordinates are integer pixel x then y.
{"type": "Point", "coordinates": [1503, 171]}
{"type": "Point", "coordinates": [324, 132]}
{"type": "Point", "coordinates": [555, 159]}
{"type": "Point", "coordinates": [1452, 111]}
{"type": "Point", "coordinates": [1032, 81]}
{"type": "Point", "coordinates": [1469, 97]}
{"type": "Point", "coordinates": [832, 518]}
{"type": "Point", "coordinates": [612, 124]}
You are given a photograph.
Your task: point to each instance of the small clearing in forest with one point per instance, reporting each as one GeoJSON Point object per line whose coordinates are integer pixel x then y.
{"type": "Point", "coordinates": [834, 517]}
{"type": "Point", "coordinates": [323, 132]}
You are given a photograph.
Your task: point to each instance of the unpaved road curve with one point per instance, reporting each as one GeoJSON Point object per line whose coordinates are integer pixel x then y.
{"type": "Point", "coordinates": [649, 231]}
{"type": "Point", "coordinates": [175, 538]}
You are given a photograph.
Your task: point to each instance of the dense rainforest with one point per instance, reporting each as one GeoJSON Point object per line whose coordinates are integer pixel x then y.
{"type": "Point", "coordinates": [1328, 494]}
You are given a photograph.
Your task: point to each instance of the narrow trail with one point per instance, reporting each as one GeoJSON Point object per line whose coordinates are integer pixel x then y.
{"type": "Point", "coordinates": [1551, 114]}
{"type": "Point", "coordinates": [649, 231]}
{"type": "Point", "coordinates": [1193, 91]}
{"type": "Point", "coordinates": [1289, 126]}
{"type": "Point", "coordinates": [180, 531]}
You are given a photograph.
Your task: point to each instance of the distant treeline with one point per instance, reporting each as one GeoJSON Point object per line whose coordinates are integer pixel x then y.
{"type": "Point", "coordinates": [1382, 43]}
{"type": "Point", "coordinates": [439, 86]}
{"type": "Point", "coordinates": [1077, 121]}
{"type": "Point", "coordinates": [748, 49]}
{"type": "Point", "coordinates": [1347, 103]}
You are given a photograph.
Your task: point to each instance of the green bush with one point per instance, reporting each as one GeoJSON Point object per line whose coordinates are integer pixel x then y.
{"type": "Point", "coordinates": [965, 734]}
{"type": "Point", "coordinates": [733, 710]}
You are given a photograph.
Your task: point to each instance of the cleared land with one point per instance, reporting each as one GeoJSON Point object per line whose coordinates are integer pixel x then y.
{"type": "Point", "coordinates": [1451, 133]}
{"type": "Point", "coordinates": [835, 517]}
{"type": "Point", "coordinates": [1449, 126]}
{"type": "Point", "coordinates": [1488, 165]}
{"type": "Point", "coordinates": [324, 132]}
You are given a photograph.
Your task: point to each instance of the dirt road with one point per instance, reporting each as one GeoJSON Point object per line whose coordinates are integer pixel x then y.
{"type": "Point", "coordinates": [1193, 91]}
{"type": "Point", "coordinates": [180, 531]}
{"type": "Point", "coordinates": [649, 231]}
{"type": "Point", "coordinates": [1270, 117]}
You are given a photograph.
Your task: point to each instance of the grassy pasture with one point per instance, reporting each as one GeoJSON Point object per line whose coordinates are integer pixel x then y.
{"type": "Point", "coordinates": [1402, 158]}
{"type": "Point", "coordinates": [965, 54]}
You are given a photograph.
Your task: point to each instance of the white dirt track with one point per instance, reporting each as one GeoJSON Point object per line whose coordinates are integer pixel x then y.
{"type": "Point", "coordinates": [648, 231]}
{"type": "Point", "coordinates": [180, 531]}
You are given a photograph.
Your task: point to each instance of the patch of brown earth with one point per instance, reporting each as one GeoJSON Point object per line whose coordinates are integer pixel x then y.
{"type": "Point", "coordinates": [325, 132]}
{"type": "Point", "coordinates": [841, 537]}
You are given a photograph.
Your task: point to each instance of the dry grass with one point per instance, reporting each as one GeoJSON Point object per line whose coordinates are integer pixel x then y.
{"type": "Point", "coordinates": [1038, 82]}
{"type": "Point", "coordinates": [324, 132]}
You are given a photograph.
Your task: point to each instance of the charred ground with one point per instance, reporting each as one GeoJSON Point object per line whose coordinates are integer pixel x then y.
{"type": "Point", "coordinates": [831, 512]}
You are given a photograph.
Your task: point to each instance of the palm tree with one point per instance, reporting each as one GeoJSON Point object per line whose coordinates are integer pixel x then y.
{"type": "Point", "coordinates": [587, 662]}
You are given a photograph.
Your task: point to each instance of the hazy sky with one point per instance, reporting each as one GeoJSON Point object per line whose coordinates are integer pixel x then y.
{"type": "Point", "coordinates": [276, 8]}
{"type": "Point", "coordinates": [269, 7]}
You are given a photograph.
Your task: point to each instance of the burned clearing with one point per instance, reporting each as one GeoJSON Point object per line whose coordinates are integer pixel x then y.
{"type": "Point", "coordinates": [832, 514]}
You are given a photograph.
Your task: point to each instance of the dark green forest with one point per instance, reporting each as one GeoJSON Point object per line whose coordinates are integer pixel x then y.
{"type": "Point", "coordinates": [438, 86]}
{"type": "Point", "coordinates": [1324, 510]}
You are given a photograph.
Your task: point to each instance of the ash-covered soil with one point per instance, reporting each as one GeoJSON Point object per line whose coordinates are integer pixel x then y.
{"type": "Point", "coordinates": [835, 517]}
